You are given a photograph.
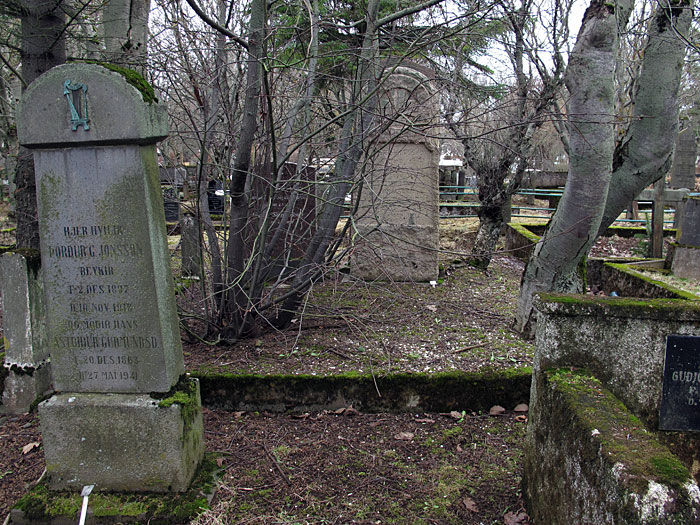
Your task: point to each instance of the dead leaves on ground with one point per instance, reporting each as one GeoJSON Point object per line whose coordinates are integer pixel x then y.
{"type": "Point", "coordinates": [26, 449]}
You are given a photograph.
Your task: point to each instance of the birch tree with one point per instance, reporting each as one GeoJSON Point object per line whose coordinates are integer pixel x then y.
{"type": "Point", "coordinates": [605, 174]}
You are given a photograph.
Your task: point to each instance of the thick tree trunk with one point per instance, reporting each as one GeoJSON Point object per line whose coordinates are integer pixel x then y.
{"type": "Point", "coordinates": [43, 47]}
{"type": "Point", "coordinates": [646, 152]}
{"type": "Point", "coordinates": [574, 226]}
{"type": "Point", "coordinates": [125, 26]}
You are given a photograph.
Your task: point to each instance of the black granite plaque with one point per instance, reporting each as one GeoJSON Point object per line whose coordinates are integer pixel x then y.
{"type": "Point", "coordinates": [680, 399]}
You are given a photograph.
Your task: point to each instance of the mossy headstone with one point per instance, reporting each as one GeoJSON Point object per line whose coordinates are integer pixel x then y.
{"type": "Point", "coordinates": [112, 327]}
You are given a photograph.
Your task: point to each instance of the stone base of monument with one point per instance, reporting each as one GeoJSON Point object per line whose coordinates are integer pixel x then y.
{"type": "Point", "coordinates": [685, 261]}
{"type": "Point", "coordinates": [396, 253]}
{"type": "Point", "coordinates": [23, 388]}
{"type": "Point", "coordinates": [123, 442]}
{"type": "Point", "coordinates": [41, 506]}
{"type": "Point", "coordinates": [589, 460]}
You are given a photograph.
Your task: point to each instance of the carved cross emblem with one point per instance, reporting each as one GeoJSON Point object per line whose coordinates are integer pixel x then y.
{"type": "Point", "coordinates": [76, 95]}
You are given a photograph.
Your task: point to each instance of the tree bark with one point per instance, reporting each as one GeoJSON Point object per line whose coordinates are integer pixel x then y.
{"type": "Point", "coordinates": [125, 27]}
{"type": "Point", "coordinates": [43, 46]}
{"type": "Point", "coordinates": [574, 226]}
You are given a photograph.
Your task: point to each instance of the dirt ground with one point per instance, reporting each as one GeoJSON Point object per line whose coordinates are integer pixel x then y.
{"type": "Point", "coordinates": [348, 467]}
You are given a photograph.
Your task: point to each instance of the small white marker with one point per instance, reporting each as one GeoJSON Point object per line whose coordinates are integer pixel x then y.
{"type": "Point", "coordinates": [87, 489]}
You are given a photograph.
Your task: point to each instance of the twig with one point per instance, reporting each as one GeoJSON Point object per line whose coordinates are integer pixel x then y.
{"type": "Point", "coordinates": [472, 347]}
{"type": "Point", "coordinates": [277, 465]}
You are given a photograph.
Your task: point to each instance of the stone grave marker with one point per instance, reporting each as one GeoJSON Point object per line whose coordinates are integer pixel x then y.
{"type": "Point", "coordinates": [685, 261]}
{"type": "Point", "coordinates": [190, 246]}
{"type": "Point", "coordinates": [680, 401]}
{"type": "Point", "coordinates": [683, 169]}
{"type": "Point", "coordinates": [398, 213]}
{"type": "Point", "coordinates": [26, 352]}
{"type": "Point", "coordinates": [112, 326]}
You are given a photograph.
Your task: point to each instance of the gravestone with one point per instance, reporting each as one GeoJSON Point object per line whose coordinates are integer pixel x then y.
{"type": "Point", "coordinates": [398, 213]}
{"type": "Point", "coordinates": [125, 417]}
{"type": "Point", "coordinates": [685, 261]}
{"type": "Point", "coordinates": [26, 352]}
{"type": "Point", "coordinates": [190, 246]}
{"type": "Point", "coordinates": [683, 169]}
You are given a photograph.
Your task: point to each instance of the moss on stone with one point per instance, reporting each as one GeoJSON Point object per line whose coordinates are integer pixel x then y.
{"type": "Point", "coordinates": [672, 305]}
{"type": "Point", "coordinates": [184, 393]}
{"type": "Point", "coordinates": [622, 436]}
{"type": "Point", "coordinates": [132, 77]}
{"type": "Point", "coordinates": [444, 391]}
{"type": "Point", "coordinates": [627, 269]}
{"type": "Point", "coordinates": [41, 505]}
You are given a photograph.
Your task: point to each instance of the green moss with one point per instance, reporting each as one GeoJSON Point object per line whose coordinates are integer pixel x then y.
{"type": "Point", "coordinates": [41, 504]}
{"type": "Point", "coordinates": [682, 294]}
{"type": "Point", "coordinates": [524, 230]}
{"type": "Point", "coordinates": [444, 391]}
{"type": "Point", "coordinates": [672, 305]}
{"type": "Point", "coordinates": [622, 436]}
{"type": "Point", "coordinates": [132, 77]}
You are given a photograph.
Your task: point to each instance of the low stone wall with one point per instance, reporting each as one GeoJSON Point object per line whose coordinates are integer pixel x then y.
{"type": "Point", "coordinates": [521, 240]}
{"type": "Point", "coordinates": [441, 392]}
{"type": "Point", "coordinates": [589, 460]}
{"type": "Point", "coordinates": [626, 281]}
{"type": "Point", "coordinates": [621, 341]}
{"type": "Point", "coordinates": [593, 452]}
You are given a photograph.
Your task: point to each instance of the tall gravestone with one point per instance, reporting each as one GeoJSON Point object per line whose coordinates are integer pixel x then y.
{"type": "Point", "coordinates": [683, 169]}
{"type": "Point", "coordinates": [26, 352]}
{"type": "Point", "coordinates": [685, 255]}
{"type": "Point", "coordinates": [398, 213]}
{"type": "Point", "coordinates": [125, 417]}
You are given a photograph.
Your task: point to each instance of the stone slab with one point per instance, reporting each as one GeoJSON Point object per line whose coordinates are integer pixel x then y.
{"type": "Point", "coordinates": [396, 253]}
{"type": "Point", "coordinates": [22, 388]}
{"type": "Point", "coordinates": [45, 115]}
{"type": "Point", "coordinates": [684, 158]}
{"type": "Point", "coordinates": [121, 442]}
{"type": "Point", "coordinates": [689, 229]}
{"type": "Point", "coordinates": [23, 310]}
{"type": "Point", "coordinates": [112, 321]}
{"type": "Point", "coordinates": [686, 262]}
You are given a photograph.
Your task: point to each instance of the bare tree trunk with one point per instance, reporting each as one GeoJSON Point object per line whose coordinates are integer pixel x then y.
{"type": "Point", "coordinates": [642, 157]}
{"type": "Point", "coordinates": [235, 302]}
{"type": "Point", "coordinates": [355, 130]}
{"type": "Point", "coordinates": [43, 47]}
{"type": "Point", "coordinates": [646, 152]}
{"type": "Point", "coordinates": [125, 26]}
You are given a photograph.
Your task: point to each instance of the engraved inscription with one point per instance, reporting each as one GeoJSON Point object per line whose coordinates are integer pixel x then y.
{"type": "Point", "coordinates": [99, 319]}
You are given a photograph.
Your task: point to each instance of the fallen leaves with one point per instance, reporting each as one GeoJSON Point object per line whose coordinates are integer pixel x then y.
{"type": "Point", "coordinates": [519, 518]}
{"type": "Point", "coordinates": [26, 449]}
{"type": "Point", "coordinates": [469, 504]}
{"type": "Point", "coordinates": [404, 436]}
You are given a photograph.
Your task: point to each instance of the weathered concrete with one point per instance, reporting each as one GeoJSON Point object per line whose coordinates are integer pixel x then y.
{"type": "Point", "coordinates": [123, 442]}
{"type": "Point", "coordinates": [589, 460]}
{"type": "Point", "coordinates": [398, 213]}
{"type": "Point", "coordinates": [592, 453]}
{"type": "Point", "coordinates": [621, 341]}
